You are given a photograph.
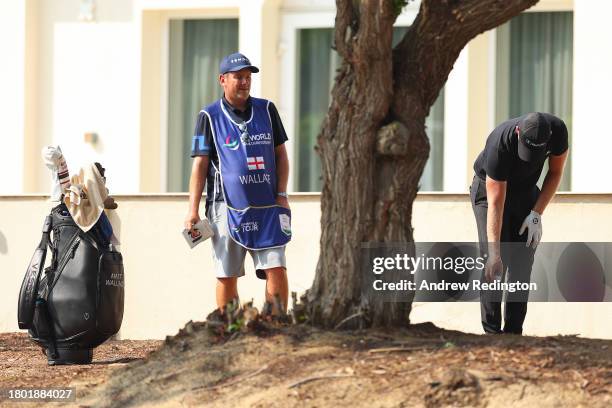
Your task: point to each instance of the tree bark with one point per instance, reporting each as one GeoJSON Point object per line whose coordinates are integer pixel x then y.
{"type": "Point", "coordinates": [373, 145]}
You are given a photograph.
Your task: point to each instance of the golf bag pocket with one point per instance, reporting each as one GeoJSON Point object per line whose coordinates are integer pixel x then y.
{"type": "Point", "coordinates": [111, 293]}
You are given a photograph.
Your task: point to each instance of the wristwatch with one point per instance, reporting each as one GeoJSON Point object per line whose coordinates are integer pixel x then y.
{"type": "Point", "coordinates": [283, 194]}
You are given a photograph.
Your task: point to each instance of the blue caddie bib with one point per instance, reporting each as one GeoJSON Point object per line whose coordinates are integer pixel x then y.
{"type": "Point", "coordinates": [248, 172]}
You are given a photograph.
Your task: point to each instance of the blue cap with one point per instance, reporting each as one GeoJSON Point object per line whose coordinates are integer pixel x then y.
{"type": "Point", "coordinates": [235, 62]}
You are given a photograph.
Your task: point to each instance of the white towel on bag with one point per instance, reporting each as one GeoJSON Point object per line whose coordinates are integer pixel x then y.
{"type": "Point", "coordinates": [86, 195]}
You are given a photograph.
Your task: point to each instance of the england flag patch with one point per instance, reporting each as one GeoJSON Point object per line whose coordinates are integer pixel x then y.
{"type": "Point", "coordinates": [256, 163]}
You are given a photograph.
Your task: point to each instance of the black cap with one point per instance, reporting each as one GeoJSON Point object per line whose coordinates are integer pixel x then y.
{"type": "Point", "coordinates": [236, 62]}
{"type": "Point", "coordinates": [534, 134]}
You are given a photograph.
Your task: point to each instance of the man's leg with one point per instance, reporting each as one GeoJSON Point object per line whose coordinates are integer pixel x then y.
{"type": "Point", "coordinates": [271, 265]}
{"type": "Point", "coordinates": [227, 290]}
{"type": "Point", "coordinates": [277, 285]}
{"type": "Point", "coordinates": [228, 257]}
{"type": "Point", "coordinates": [519, 265]}
{"type": "Point", "coordinates": [490, 306]}
{"type": "Point", "coordinates": [519, 271]}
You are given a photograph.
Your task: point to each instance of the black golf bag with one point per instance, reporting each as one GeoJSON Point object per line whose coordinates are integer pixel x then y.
{"type": "Point", "coordinates": [77, 304]}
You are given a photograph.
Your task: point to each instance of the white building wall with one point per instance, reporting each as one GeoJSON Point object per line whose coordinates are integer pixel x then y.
{"type": "Point", "coordinates": [86, 82]}
{"type": "Point", "coordinates": [12, 97]}
{"type": "Point", "coordinates": [168, 284]}
{"type": "Point", "coordinates": [592, 141]}
{"type": "Point", "coordinates": [87, 79]}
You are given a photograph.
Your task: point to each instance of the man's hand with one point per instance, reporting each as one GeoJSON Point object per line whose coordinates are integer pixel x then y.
{"type": "Point", "coordinates": [191, 220]}
{"type": "Point", "coordinates": [493, 268]}
{"type": "Point", "coordinates": [533, 224]}
{"type": "Point", "coordinates": [283, 202]}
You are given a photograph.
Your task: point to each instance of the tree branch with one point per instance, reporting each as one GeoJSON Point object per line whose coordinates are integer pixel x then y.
{"type": "Point", "coordinates": [433, 42]}
{"type": "Point", "coordinates": [345, 28]}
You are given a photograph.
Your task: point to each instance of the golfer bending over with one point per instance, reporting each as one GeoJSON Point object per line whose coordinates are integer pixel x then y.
{"type": "Point", "coordinates": [508, 206]}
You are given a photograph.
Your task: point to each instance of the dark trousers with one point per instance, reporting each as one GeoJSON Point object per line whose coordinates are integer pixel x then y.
{"type": "Point", "coordinates": [516, 258]}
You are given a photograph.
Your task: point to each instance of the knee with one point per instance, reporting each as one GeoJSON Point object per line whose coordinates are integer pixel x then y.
{"type": "Point", "coordinates": [227, 282]}
{"type": "Point", "coordinates": [276, 273]}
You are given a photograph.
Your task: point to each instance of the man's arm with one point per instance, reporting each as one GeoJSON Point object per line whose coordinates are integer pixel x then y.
{"type": "Point", "coordinates": [199, 172]}
{"type": "Point", "coordinates": [496, 197]}
{"type": "Point", "coordinates": [282, 173]}
{"type": "Point", "coordinates": [551, 182]}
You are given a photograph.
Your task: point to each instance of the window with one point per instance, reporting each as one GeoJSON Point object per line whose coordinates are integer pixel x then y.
{"type": "Point", "coordinates": [196, 47]}
{"type": "Point", "coordinates": [316, 68]}
{"type": "Point", "coordinates": [534, 69]}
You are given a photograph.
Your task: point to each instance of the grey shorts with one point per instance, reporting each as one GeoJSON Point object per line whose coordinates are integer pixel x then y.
{"type": "Point", "coordinates": [228, 256]}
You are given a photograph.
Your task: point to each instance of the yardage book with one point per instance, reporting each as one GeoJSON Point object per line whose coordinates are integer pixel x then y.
{"type": "Point", "coordinates": [199, 233]}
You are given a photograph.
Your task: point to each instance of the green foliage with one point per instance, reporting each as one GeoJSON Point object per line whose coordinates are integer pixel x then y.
{"type": "Point", "coordinates": [236, 326]}
{"type": "Point", "coordinates": [398, 6]}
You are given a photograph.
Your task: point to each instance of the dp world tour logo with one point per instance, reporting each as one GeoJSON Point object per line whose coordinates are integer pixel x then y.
{"type": "Point", "coordinates": [250, 226]}
{"type": "Point", "coordinates": [231, 143]}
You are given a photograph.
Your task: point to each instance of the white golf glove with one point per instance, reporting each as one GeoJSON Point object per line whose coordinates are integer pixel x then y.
{"type": "Point", "coordinates": [533, 224]}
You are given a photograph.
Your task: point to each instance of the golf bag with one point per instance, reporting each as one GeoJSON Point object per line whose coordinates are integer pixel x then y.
{"type": "Point", "coordinates": [77, 304]}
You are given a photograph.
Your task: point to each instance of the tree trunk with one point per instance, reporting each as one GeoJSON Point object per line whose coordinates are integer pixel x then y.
{"type": "Point", "coordinates": [373, 145]}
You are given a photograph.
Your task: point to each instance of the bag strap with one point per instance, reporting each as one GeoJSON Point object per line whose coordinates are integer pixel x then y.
{"type": "Point", "coordinates": [45, 327]}
{"type": "Point", "coordinates": [29, 286]}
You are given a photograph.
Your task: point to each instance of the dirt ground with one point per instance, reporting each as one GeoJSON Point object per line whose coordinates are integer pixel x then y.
{"type": "Point", "coordinates": [298, 366]}
{"type": "Point", "coordinates": [23, 365]}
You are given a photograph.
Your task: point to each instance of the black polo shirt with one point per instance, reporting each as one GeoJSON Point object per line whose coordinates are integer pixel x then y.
{"type": "Point", "coordinates": [500, 161]}
{"type": "Point", "coordinates": [203, 128]}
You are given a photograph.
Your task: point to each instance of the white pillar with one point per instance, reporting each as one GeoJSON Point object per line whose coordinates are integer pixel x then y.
{"type": "Point", "coordinates": [456, 126]}
{"type": "Point", "coordinates": [259, 36]}
{"type": "Point", "coordinates": [592, 142]}
{"type": "Point", "coordinates": [12, 97]}
{"type": "Point", "coordinates": [250, 38]}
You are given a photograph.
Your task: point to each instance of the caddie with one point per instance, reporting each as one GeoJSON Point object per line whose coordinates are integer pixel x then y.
{"type": "Point", "coordinates": [508, 207]}
{"type": "Point", "coordinates": [238, 149]}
